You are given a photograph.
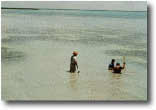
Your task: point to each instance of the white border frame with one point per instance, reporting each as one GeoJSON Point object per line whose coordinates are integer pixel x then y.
{"type": "Point", "coordinates": [151, 104]}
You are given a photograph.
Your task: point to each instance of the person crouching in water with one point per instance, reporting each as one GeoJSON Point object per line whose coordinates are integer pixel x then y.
{"type": "Point", "coordinates": [73, 62]}
{"type": "Point", "coordinates": [117, 69]}
{"type": "Point", "coordinates": [111, 66]}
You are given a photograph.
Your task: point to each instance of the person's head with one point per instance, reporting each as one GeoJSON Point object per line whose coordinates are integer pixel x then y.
{"type": "Point", "coordinates": [113, 60]}
{"type": "Point", "coordinates": [75, 53]}
{"type": "Point", "coordinates": [117, 64]}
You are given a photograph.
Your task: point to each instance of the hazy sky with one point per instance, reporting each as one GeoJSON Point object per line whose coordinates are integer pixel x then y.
{"type": "Point", "coordinates": [95, 5]}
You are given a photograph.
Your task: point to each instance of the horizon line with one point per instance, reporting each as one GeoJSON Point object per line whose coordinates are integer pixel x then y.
{"type": "Point", "coordinates": [73, 9]}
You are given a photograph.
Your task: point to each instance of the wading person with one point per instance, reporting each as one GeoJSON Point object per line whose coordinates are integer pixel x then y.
{"type": "Point", "coordinates": [117, 69]}
{"type": "Point", "coordinates": [111, 66]}
{"type": "Point", "coordinates": [73, 62]}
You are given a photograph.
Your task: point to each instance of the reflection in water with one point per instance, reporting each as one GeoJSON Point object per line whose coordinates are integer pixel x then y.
{"type": "Point", "coordinates": [116, 76]}
{"type": "Point", "coordinates": [73, 80]}
{"type": "Point", "coordinates": [117, 87]}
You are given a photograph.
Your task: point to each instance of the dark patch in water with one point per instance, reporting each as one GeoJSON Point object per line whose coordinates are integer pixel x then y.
{"type": "Point", "coordinates": [135, 53]}
{"type": "Point", "coordinates": [8, 53]}
{"type": "Point", "coordinates": [139, 63]}
{"type": "Point", "coordinates": [23, 38]}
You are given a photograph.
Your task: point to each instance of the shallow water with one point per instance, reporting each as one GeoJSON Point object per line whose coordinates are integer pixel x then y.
{"type": "Point", "coordinates": [37, 45]}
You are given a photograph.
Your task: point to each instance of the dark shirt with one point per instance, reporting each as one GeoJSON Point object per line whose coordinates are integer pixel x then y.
{"type": "Point", "coordinates": [111, 66]}
{"type": "Point", "coordinates": [73, 60]}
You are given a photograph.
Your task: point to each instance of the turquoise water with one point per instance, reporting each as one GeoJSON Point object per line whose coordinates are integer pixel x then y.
{"type": "Point", "coordinates": [37, 45]}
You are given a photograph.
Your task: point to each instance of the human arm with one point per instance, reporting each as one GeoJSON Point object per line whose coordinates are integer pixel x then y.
{"type": "Point", "coordinates": [124, 64]}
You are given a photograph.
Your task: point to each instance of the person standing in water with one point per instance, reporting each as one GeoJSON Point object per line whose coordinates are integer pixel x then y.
{"type": "Point", "coordinates": [117, 69]}
{"type": "Point", "coordinates": [111, 66]}
{"type": "Point", "coordinates": [73, 62]}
